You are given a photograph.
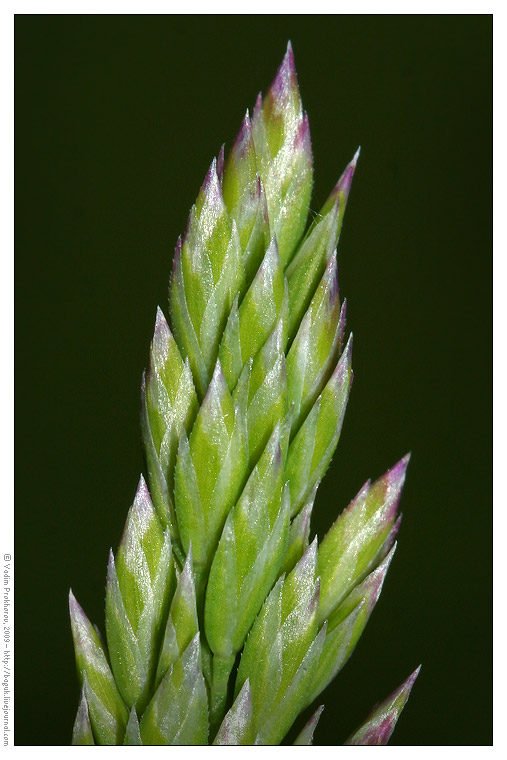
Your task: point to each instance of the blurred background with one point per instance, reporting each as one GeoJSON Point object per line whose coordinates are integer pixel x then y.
{"type": "Point", "coordinates": [117, 120]}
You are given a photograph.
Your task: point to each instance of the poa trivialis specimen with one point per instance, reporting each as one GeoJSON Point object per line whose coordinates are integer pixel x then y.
{"type": "Point", "coordinates": [223, 621]}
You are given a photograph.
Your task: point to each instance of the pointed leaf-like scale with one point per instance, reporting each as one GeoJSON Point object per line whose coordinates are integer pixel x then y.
{"type": "Point", "coordinates": [278, 656]}
{"type": "Point", "coordinates": [256, 317]}
{"type": "Point", "coordinates": [210, 472]}
{"type": "Point", "coordinates": [139, 586]}
{"type": "Point", "coordinates": [132, 733]}
{"type": "Point", "coordinates": [249, 327]}
{"type": "Point", "coordinates": [182, 623]}
{"type": "Point", "coordinates": [187, 335]}
{"type": "Point", "coordinates": [266, 381]}
{"type": "Point", "coordinates": [162, 499]}
{"type": "Point", "coordinates": [171, 404]}
{"type": "Point", "coordinates": [107, 711]}
{"type": "Point", "coordinates": [250, 551]}
{"type": "Point", "coordinates": [312, 256]}
{"type": "Point", "coordinates": [346, 625]}
{"type": "Point", "coordinates": [230, 353]}
{"type": "Point", "coordinates": [315, 349]}
{"type": "Point", "coordinates": [309, 264]}
{"type": "Point", "coordinates": [128, 665]}
{"type": "Point", "coordinates": [314, 445]}
{"type": "Point", "coordinates": [282, 143]}
{"type": "Point", "coordinates": [257, 663]}
{"type": "Point", "coordinates": [379, 725]}
{"type": "Point", "coordinates": [220, 164]}
{"type": "Point", "coordinates": [352, 544]}
{"type": "Point", "coordinates": [305, 737]}
{"type": "Point", "coordinates": [261, 306]}
{"type": "Point", "coordinates": [82, 733]}
{"type": "Point", "coordinates": [299, 532]}
{"type": "Point", "coordinates": [289, 706]}
{"type": "Point", "coordinates": [237, 725]}
{"type": "Point", "coordinates": [208, 272]}
{"type": "Point", "coordinates": [300, 600]}
{"type": "Point", "coordinates": [245, 199]}
{"type": "Point", "coordinates": [178, 712]}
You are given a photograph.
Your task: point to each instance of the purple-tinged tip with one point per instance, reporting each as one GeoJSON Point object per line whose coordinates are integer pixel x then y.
{"type": "Point", "coordinates": [342, 322]}
{"type": "Point", "coordinates": [359, 500]}
{"type": "Point", "coordinates": [395, 477]}
{"type": "Point", "coordinates": [111, 569]}
{"type": "Point", "coordinates": [313, 604]}
{"type": "Point", "coordinates": [305, 738]}
{"type": "Point", "coordinates": [330, 277]}
{"type": "Point", "coordinates": [408, 684]}
{"type": "Point", "coordinates": [302, 140]}
{"type": "Point", "coordinates": [211, 187]}
{"type": "Point", "coordinates": [72, 601]}
{"type": "Point", "coordinates": [237, 720]}
{"type": "Point", "coordinates": [243, 140]}
{"type": "Point", "coordinates": [308, 562]}
{"type": "Point", "coordinates": [388, 543]}
{"type": "Point", "coordinates": [376, 579]}
{"type": "Point", "coordinates": [81, 627]}
{"type": "Point", "coordinates": [343, 368]}
{"type": "Point", "coordinates": [380, 724]}
{"type": "Point", "coordinates": [142, 505]}
{"type": "Point", "coordinates": [257, 108]}
{"type": "Point", "coordinates": [220, 164]}
{"type": "Point", "coordinates": [285, 81]}
{"type": "Point", "coordinates": [161, 335]}
{"type": "Point", "coordinates": [389, 486]}
{"type": "Point", "coordinates": [345, 182]}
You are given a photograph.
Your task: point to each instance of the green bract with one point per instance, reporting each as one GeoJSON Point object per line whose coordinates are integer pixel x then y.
{"type": "Point", "coordinates": [223, 620]}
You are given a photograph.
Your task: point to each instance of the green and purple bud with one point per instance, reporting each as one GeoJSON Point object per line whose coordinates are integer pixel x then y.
{"type": "Point", "coordinates": [207, 274]}
{"type": "Point", "coordinates": [245, 198]}
{"type": "Point", "coordinates": [281, 137]}
{"type": "Point", "coordinates": [379, 726]}
{"type": "Point", "coordinates": [305, 737]}
{"type": "Point", "coordinates": [359, 538]}
{"type": "Point", "coordinates": [346, 625]}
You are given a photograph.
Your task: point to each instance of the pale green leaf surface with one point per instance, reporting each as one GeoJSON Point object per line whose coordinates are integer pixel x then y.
{"type": "Point", "coordinates": [178, 712]}
{"type": "Point", "coordinates": [133, 733]}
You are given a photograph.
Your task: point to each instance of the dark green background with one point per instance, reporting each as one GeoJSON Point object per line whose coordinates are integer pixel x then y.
{"type": "Point", "coordinates": [117, 119]}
